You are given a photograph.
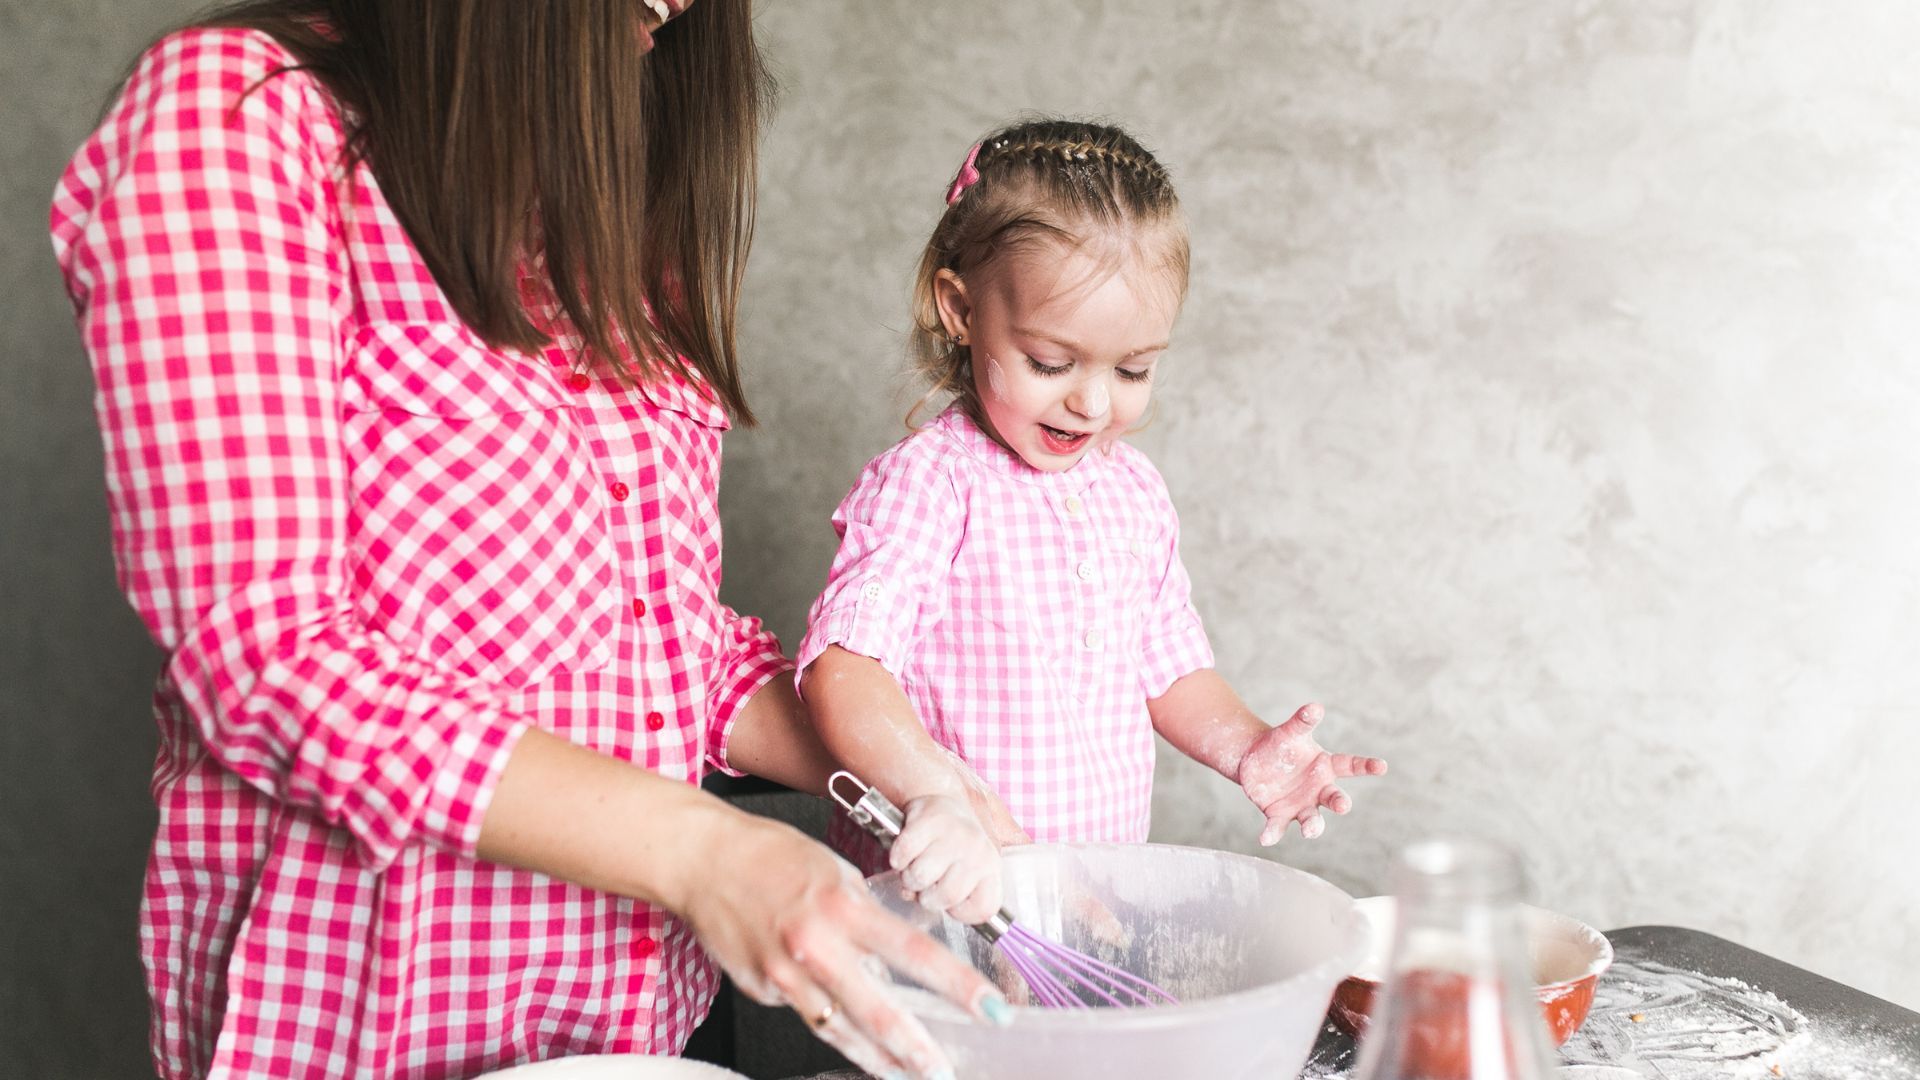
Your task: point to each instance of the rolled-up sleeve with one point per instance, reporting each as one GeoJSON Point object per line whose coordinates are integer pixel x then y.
{"type": "Point", "coordinates": [206, 266]}
{"type": "Point", "coordinates": [899, 529]}
{"type": "Point", "coordinates": [750, 659]}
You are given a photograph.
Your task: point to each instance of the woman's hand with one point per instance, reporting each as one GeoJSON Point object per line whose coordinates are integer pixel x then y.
{"type": "Point", "coordinates": [1290, 777]}
{"type": "Point", "coordinates": [793, 925]}
{"type": "Point", "coordinates": [947, 860]}
{"type": "Point", "coordinates": [791, 922]}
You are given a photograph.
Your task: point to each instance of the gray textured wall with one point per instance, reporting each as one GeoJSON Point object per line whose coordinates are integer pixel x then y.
{"type": "Point", "coordinates": [1543, 405]}
{"type": "Point", "coordinates": [1546, 405]}
{"type": "Point", "coordinates": [76, 668]}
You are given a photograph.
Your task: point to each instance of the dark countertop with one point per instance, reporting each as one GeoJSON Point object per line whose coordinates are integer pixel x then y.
{"type": "Point", "coordinates": [1814, 995]}
{"type": "Point", "coordinates": [1681, 1004]}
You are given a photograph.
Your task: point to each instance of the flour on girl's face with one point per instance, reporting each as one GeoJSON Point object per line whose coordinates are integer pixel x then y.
{"type": "Point", "coordinates": [1091, 398]}
{"type": "Point", "coordinates": [1096, 399]}
{"type": "Point", "coordinates": [996, 379]}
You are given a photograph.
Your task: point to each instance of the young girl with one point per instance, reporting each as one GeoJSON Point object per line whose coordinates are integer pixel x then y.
{"type": "Point", "coordinates": [1007, 622]}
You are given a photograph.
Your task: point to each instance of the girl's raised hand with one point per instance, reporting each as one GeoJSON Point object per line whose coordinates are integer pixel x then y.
{"type": "Point", "coordinates": [1290, 777]}
{"type": "Point", "coordinates": [794, 925]}
{"type": "Point", "coordinates": [946, 857]}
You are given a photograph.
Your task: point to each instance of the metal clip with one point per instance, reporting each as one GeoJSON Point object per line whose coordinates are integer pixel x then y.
{"type": "Point", "coordinates": [870, 809]}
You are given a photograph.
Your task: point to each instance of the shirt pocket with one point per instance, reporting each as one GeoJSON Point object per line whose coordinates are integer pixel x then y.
{"type": "Point", "coordinates": [479, 540]}
{"type": "Point", "coordinates": [1126, 566]}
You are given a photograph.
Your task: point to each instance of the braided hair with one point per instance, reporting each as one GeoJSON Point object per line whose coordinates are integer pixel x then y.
{"type": "Point", "coordinates": [1069, 182]}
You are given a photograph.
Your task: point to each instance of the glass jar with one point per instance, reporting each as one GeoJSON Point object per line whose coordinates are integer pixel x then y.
{"type": "Point", "coordinates": [1457, 999]}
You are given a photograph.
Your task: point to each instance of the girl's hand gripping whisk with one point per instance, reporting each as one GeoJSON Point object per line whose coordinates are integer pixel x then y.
{"type": "Point", "coordinates": [938, 847]}
{"type": "Point", "coordinates": [1057, 976]}
{"type": "Point", "coordinates": [946, 859]}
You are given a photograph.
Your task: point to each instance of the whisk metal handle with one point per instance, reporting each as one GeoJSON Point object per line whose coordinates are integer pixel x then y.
{"type": "Point", "coordinates": [873, 811]}
{"type": "Point", "coordinates": [869, 808]}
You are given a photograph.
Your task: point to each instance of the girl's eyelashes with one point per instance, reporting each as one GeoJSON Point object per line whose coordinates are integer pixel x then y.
{"type": "Point", "coordinates": [1041, 367]}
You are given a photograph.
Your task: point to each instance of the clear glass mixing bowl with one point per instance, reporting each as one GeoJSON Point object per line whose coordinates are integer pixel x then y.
{"type": "Point", "coordinates": [1251, 948]}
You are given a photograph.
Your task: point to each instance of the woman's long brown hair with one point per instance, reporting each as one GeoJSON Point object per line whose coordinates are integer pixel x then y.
{"type": "Point", "coordinates": [501, 128]}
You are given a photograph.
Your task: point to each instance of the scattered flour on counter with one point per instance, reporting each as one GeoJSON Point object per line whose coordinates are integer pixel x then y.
{"type": "Point", "coordinates": [1676, 1024]}
{"type": "Point", "coordinates": [1668, 1023]}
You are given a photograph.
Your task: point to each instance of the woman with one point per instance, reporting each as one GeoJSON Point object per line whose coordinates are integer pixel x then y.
{"type": "Point", "coordinates": [418, 493]}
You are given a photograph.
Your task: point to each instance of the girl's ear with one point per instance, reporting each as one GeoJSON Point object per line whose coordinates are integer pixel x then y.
{"type": "Point", "coordinates": [956, 310]}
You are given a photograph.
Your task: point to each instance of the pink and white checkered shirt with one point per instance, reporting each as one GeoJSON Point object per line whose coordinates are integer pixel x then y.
{"type": "Point", "coordinates": [375, 551]}
{"type": "Point", "coordinates": [1028, 615]}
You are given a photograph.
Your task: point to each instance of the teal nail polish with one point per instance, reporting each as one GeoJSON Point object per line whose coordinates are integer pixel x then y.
{"type": "Point", "coordinates": [998, 1012]}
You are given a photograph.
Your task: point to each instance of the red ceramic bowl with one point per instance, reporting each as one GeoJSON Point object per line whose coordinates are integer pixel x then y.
{"type": "Point", "coordinates": [1568, 957]}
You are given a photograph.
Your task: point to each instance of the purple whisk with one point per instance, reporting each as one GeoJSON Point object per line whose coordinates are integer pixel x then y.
{"type": "Point", "coordinates": [1057, 976]}
{"type": "Point", "coordinates": [1063, 978]}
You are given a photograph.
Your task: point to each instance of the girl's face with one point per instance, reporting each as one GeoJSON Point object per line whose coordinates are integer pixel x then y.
{"type": "Point", "coordinates": [1064, 347]}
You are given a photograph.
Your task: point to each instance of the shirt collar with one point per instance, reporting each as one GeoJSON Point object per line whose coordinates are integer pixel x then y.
{"type": "Point", "coordinates": [957, 425]}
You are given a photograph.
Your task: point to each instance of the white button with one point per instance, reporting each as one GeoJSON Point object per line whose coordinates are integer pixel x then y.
{"type": "Point", "coordinates": [1138, 547]}
{"type": "Point", "coordinates": [871, 591]}
{"type": "Point", "coordinates": [1084, 571]}
{"type": "Point", "coordinates": [1095, 639]}
{"type": "Point", "coordinates": [1073, 506]}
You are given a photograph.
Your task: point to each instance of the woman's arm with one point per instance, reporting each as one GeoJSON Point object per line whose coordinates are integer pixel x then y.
{"type": "Point", "coordinates": [787, 920]}
{"type": "Point", "coordinates": [196, 236]}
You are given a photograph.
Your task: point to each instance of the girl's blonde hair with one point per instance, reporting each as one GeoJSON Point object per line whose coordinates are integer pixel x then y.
{"type": "Point", "coordinates": [1066, 181]}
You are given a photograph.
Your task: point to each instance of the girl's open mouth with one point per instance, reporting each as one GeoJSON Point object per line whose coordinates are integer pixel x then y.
{"type": "Point", "coordinates": [1062, 442]}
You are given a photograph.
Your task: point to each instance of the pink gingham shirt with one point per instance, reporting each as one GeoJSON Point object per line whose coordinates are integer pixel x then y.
{"type": "Point", "coordinates": [376, 551]}
{"type": "Point", "coordinates": [1028, 615]}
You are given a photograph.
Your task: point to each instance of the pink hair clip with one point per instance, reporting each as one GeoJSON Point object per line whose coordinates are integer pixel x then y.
{"type": "Point", "coordinates": [965, 178]}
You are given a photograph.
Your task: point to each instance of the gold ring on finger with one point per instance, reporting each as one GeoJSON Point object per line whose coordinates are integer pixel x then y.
{"type": "Point", "coordinates": [819, 1020]}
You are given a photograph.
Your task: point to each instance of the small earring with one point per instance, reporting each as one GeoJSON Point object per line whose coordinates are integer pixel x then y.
{"type": "Point", "coordinates": [957, 340]}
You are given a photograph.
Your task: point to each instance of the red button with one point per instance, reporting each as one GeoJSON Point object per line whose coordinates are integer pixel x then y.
{"type": "Point", "coordinates": [579, 380]}
{"type": "Point", "coordinates": [618, 490]}
{"type": "Point", "coordinates": [639, 607]}
{"type": "Point", "coordinates": [645, 947]}
{"type": "Point", "coordinates": [655, 721]}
